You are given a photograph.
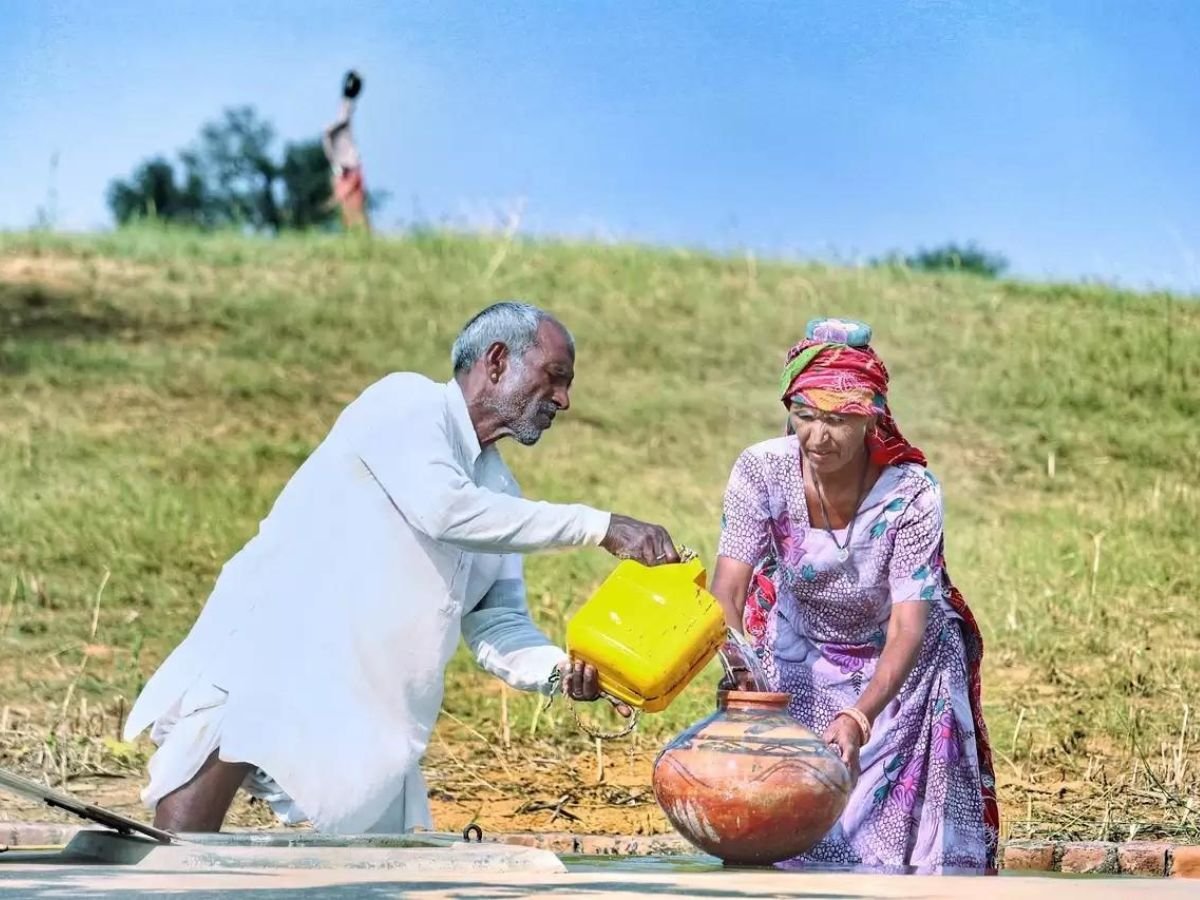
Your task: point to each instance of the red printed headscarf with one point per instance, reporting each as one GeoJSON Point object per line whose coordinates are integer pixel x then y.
{"type": "Point", "coordinates": [835, 370]}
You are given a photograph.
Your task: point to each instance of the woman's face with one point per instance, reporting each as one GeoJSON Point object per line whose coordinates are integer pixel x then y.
{"type": "Point", "coordinates": [831, 441]}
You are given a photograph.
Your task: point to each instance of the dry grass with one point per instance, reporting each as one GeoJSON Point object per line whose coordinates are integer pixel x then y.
{"type": "Point", "coordinates": [161, 387]}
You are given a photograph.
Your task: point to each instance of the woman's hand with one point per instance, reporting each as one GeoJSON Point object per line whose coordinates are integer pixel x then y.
{"type": "Point", "coordinates": [844, 738]}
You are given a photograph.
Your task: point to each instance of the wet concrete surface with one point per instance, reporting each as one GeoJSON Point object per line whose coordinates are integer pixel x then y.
{"type": "Point", "coordinates": [462, 871]}
{"type": "Point", "coordinates": [100, 864]}
{"type": "Point", "coordinates": [22, 880]}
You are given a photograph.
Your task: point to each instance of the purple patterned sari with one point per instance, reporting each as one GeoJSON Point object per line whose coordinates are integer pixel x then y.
{"type": "Point", "coordinates": [926, 795]}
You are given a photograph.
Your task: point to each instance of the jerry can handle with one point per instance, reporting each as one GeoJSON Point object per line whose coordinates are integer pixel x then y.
{"type": "Point", "coordinates": [554, 682]}
{"type": "Point", "coordinates": [595, 734]}
{"type": "Point", "coordinates": [686, 554]}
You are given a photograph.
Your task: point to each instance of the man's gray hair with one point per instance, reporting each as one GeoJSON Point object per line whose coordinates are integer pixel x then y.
{"type": "Point", "coordinates": [513, 324]}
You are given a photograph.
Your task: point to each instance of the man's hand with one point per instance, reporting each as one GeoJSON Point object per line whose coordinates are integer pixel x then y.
{"type": "Point", "coordinates": [580, 681]}
{"type": "Point", "coordinates": [630, 539]}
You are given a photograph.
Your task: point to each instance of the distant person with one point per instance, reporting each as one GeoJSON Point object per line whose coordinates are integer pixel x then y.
{"type": "Point", "coordinates": [349, 191]}
{"type": "Point", "coordinates": [314, 674]}
{"type": "Point", "coordinates": [831, 559]}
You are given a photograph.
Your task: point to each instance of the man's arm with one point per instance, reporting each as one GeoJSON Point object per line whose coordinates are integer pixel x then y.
{"type": "Point", "coordinates": [503, 638]}
{"type": "Point", "coordinates": [342, 121]}
{"type": "Point", "coordinates": [438, 500]}
{"type": "Point", "coordinates": [405, 448]}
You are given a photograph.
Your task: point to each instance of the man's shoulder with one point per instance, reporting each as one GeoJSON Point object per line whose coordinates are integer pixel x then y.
{"type": "Point", "coordinates": [398, 398]}
{"type": "Point", "coordinates": [404, 389]}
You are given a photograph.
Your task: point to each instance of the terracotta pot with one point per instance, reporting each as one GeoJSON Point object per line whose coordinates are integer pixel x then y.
{"type": "Point", "coordinates": [750, 784]}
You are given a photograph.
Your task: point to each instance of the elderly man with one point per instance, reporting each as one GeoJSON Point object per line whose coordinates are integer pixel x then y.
{"type": "Point", "coordinates": [314, 674]}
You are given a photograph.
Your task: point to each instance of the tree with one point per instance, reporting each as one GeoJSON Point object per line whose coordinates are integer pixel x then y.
{"type": "Point", "coordinates": [234, 160]}
{"type": "Point", "coordinates": [229, 178]}
{"type": "Point", "coordinates": [306, 191]}
{"type": "Point", "coordinates": [152, 192]}
{"type": "Point", "coordinates": [950, 258]}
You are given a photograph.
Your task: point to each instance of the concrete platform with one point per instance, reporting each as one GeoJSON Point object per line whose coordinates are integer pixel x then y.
{"type": "Point", "coordinates": [270, 866]}
{"type": "Point", "coordinates": [22, 881]}
{"type": "Point", "coordinates": [397, 854]}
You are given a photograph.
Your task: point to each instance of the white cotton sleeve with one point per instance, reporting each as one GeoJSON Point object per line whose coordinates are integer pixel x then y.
{"type": "Point", "coordinates": [406, 448]}
{"type": "Point", "coordinates": [503, 637]}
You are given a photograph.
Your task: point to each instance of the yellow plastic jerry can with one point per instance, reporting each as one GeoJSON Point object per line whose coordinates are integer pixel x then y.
{"type": "Point", "coordinates": [648, 631]}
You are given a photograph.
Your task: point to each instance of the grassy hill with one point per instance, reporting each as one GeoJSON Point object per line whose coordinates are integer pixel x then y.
{"type": "Point", "coordinates": [159, 388]}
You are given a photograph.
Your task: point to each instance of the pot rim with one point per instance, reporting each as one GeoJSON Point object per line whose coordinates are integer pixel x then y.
{"type": "Point", "coordinates": [751, 699]}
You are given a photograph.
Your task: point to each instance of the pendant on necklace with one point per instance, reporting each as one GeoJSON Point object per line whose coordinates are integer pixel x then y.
{"type": "Point", "coordinates": [843, 554]}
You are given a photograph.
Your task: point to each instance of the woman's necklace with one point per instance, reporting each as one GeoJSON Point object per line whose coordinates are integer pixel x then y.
{"type": "Point", "coordinates": [843, 553]}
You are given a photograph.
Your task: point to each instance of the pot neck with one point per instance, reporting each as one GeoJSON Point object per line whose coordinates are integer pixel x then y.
{"type": "Point", "coordinates": [763, 701]}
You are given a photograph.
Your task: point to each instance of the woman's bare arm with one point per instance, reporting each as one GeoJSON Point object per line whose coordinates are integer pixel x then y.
{"type": "Point", "coordinates": [906, 631]}
{"type": "Point", "coordinates": [730, 582]}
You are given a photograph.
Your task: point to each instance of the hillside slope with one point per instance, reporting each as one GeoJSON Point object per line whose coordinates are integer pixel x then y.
{"type": "Point", "coordinates": [159, 388]}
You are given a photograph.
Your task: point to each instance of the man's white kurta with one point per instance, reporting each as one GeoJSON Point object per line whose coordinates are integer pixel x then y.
{"type": "Point", "coordinates": [330, 631]}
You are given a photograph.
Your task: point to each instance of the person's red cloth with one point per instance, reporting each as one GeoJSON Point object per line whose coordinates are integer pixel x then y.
{"type": "Point", "coordinates": [350, 192]}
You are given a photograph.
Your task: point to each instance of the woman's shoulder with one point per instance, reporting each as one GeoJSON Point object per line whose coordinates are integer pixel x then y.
{"type": "Point", "coordinates": [917, 486]}
{"type": "Point", "coordinates": [767, 461]}
{"type": "Point", "coordinates": [773, 449]}
{"type": "Point", "coordinates": [915, 478]}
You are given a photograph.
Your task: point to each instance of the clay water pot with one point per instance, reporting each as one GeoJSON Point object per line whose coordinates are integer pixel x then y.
{"type": "Point", "coordinates": [749, 784]}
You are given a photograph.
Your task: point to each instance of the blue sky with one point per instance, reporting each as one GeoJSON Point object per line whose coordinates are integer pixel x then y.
{"type": "Point", "coordinates": [1065, 135]}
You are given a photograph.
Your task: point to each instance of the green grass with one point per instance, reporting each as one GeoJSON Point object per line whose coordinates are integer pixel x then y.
{"type": "Point", "coordinates": [160, 387]}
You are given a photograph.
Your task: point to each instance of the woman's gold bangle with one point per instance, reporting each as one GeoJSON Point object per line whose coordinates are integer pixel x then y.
{"type": "Point", "coordinates": [860, 719]}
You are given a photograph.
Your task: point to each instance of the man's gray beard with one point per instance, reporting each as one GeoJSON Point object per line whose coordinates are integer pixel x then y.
{"type": "Point", "coordinates": [520, 420]}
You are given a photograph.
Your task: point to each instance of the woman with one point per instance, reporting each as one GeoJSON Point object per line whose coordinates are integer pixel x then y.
{"type": "Point", "coordinates": [831, 560]}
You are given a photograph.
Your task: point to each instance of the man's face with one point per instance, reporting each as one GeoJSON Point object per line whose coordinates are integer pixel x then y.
{"type": "Point", "coordinates": [534, 389]}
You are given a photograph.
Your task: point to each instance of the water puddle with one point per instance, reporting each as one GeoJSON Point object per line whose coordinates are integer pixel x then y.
{"type": "Point", "coordinates": [683, 864]}
{"type": "Point", "coordinates": [691, 863]}
{"type": "Point", "coordinates": [686, 864]}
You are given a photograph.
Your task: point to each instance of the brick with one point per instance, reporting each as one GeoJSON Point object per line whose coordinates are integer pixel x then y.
{"type": "Point", "coordinates": [1143, 858]}
{"type": "Point", "coordinates": [598, 845]}
{"type": "Point", "coordinates": [1033, 856]}
{"type": "Point", "coordinates": [558, 842]}
{"type": "Point", "coordinates": [668, 845]}
{"type": "Point", "coordinates": [555, 842]}
{"type": "Point", "coordinates": [615, 845]}
{"type": "Point", "coordinates": [642, 845]}
{"type": "Point", "coordinates": [1085, 858]}
{"type": "Point", "coordinates": [1185, 862]}
{"type": "Point", "coordinates": [522, 840]}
